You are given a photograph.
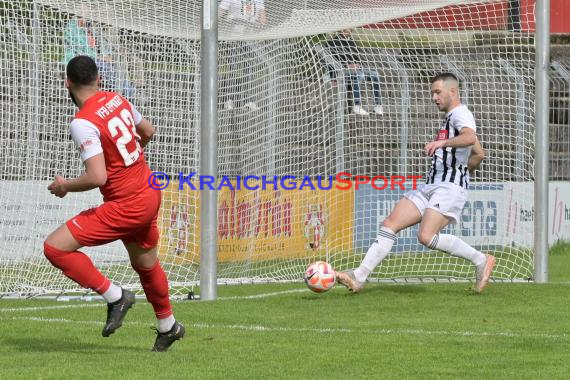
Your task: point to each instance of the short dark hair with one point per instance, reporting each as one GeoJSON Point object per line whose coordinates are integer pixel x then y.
{"type": "Point", "coordinates": [444, 77]}
{"type": "Point", "coordinates": [82, 70]}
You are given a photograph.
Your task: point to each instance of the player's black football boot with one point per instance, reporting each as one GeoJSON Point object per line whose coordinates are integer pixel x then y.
{"type": "Point", "coordinates": [165, 340]}
{"type": "Point", "coordinates": [116, 312]}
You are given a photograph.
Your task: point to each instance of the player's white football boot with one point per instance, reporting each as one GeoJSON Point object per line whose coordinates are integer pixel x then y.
{"type": "Point", "coordinates": [483, 273]}
{"type": "Point", "coordinates": [349, 280]}
{"type": "Point", "coordinates": [358, 110]}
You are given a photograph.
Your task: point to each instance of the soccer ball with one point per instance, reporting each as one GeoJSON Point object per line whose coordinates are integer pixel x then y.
{"type": "Point", "coordinates": [320, 276]}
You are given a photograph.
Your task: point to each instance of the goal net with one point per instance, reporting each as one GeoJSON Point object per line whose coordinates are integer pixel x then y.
{"type": "Point", "coordinates": [291, 107]}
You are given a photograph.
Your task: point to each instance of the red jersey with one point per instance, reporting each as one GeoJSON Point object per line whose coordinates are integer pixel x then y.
{"type": "Point", "coordinates": [107, 124]}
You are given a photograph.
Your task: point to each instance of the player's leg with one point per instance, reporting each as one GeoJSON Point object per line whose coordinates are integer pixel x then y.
{"type": "Point", "coordinates": [353, 79]}
{"type": "Point", "coordinates": [249, 49]}
{"type": "Point", "coordinates": [317, 238]}
{"type": "Point", "coordinates": [155, 284]}
{"type": "Point", "coordinates": [406, 213]}
{"type": "Point", "coordinates": [442, 210]}
{"type": "Point", "coordinates": [61, 248]}
{"type": "Point", "coordinates": [141, 244]}
{"type": "Point", "coordinates": [184, 239]}
{"type": "Point", "coordinates": [432, 223]}
{"type": "Point", "coordinates": [226, 97]}
{"type": "Point", "coordinates": [373, 76]}
{"type": "Point", "coordinates": [88, 229]}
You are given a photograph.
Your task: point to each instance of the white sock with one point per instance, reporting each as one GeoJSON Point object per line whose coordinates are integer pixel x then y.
{"type": "Point", "coordinates": [164, 325]}
{"type": "Point", "coordinates": [457, 247]}
{"type": "Point", "coordinates": [376, 253]}
{"type": "Point", "coordinates": [113, 294]}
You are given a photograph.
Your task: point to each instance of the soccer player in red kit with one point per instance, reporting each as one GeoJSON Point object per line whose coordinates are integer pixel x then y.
{"type": "Point", "coordinates": [111, 134]}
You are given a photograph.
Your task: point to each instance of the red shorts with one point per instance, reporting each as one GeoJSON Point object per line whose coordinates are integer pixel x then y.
{"type": "Point", "coordinates": [132, 221]}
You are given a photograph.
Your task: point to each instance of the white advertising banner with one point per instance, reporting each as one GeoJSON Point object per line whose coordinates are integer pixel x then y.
{"type": "Point", "coordinates": [559, 212]}
{"type": "Point", "coordinates": [520, 211]}
{"type": "Point", "coordinates": [496, 214]}
{"type": "Point", "coordinates": [29, 213]}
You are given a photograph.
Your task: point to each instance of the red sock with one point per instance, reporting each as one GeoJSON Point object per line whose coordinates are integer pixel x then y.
{"type": "Point", "coordinates": [77, 266]}
{"type": "Point", "coordinates": [155, 285]}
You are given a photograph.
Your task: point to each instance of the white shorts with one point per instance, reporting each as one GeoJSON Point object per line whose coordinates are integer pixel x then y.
{"type": "Point", "coordinates": [446, 198]}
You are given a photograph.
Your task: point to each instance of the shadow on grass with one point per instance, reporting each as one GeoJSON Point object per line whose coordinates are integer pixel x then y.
{"type": "Point", "coordinates": [31, 344]}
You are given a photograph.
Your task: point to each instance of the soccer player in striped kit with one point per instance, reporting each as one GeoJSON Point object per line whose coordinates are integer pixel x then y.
{"type": "Point", "coordinates": [455, 151]}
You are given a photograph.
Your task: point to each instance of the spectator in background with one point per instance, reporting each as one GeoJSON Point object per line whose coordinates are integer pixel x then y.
{"type": "Point", "coordinates": [345, 50]}
{"type": "Point", "coordinates": [514, 21]}
{"type": "Point", "coordinates": [83, 37]}
{"type": "Point", "coordinates": [240, 17]}
{"type": "Point", "coordinates": [245, 15]}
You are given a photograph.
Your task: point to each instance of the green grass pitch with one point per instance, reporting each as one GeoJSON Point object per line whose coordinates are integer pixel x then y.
{"type": "Point", "coordinates": [427, 331]}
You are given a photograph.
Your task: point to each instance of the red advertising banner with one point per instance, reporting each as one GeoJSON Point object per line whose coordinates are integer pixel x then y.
{"type": "Point", "coordinates": [502, 15]}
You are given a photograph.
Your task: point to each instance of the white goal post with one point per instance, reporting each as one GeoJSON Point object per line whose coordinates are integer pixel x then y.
{"type": "Point", "coordinates": [287, 106]}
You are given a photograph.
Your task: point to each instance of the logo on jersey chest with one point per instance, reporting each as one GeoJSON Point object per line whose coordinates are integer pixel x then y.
{"type": "Point", "coordinates": [442, 134]}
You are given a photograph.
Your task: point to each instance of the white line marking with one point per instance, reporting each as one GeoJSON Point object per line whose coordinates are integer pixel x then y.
{"type": "Point", "coordinates": [259, 328]}
{"type": "Point", "coordinates": [42, 308]}
{"type": "Point", "coordinates": [262, 295]}
{"type": "Point", "coordinates": [99, 304]}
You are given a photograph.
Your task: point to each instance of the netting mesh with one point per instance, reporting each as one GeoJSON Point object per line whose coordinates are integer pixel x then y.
{"type": "Point", "coordinates": [560, 120]}
{"type": "Point", "coordinates": [289, 105]}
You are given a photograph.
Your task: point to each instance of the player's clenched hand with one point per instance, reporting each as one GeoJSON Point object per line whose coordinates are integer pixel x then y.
{"type": "Point", "coordinates": [432, 146]}
{"type": "Point", "coordinates": [57, 187]}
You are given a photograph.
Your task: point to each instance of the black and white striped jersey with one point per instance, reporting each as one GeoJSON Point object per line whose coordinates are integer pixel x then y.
{"type": "Point", "coordinates": [450, 164]}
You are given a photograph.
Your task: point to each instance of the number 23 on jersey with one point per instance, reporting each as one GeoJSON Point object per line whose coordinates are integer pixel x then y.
{"type": "Point", "coordinates": [124, 127]}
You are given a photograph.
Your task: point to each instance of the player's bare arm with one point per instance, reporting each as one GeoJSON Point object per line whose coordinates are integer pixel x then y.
{"type": "Point", "coordinates": [466, 137]}
{"type": "Point", "coordinates": [95, 175]}
{"type": "Point", "coordinates": [145, 130]}
{"type": "Point", "coordinates": [477, 155]}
